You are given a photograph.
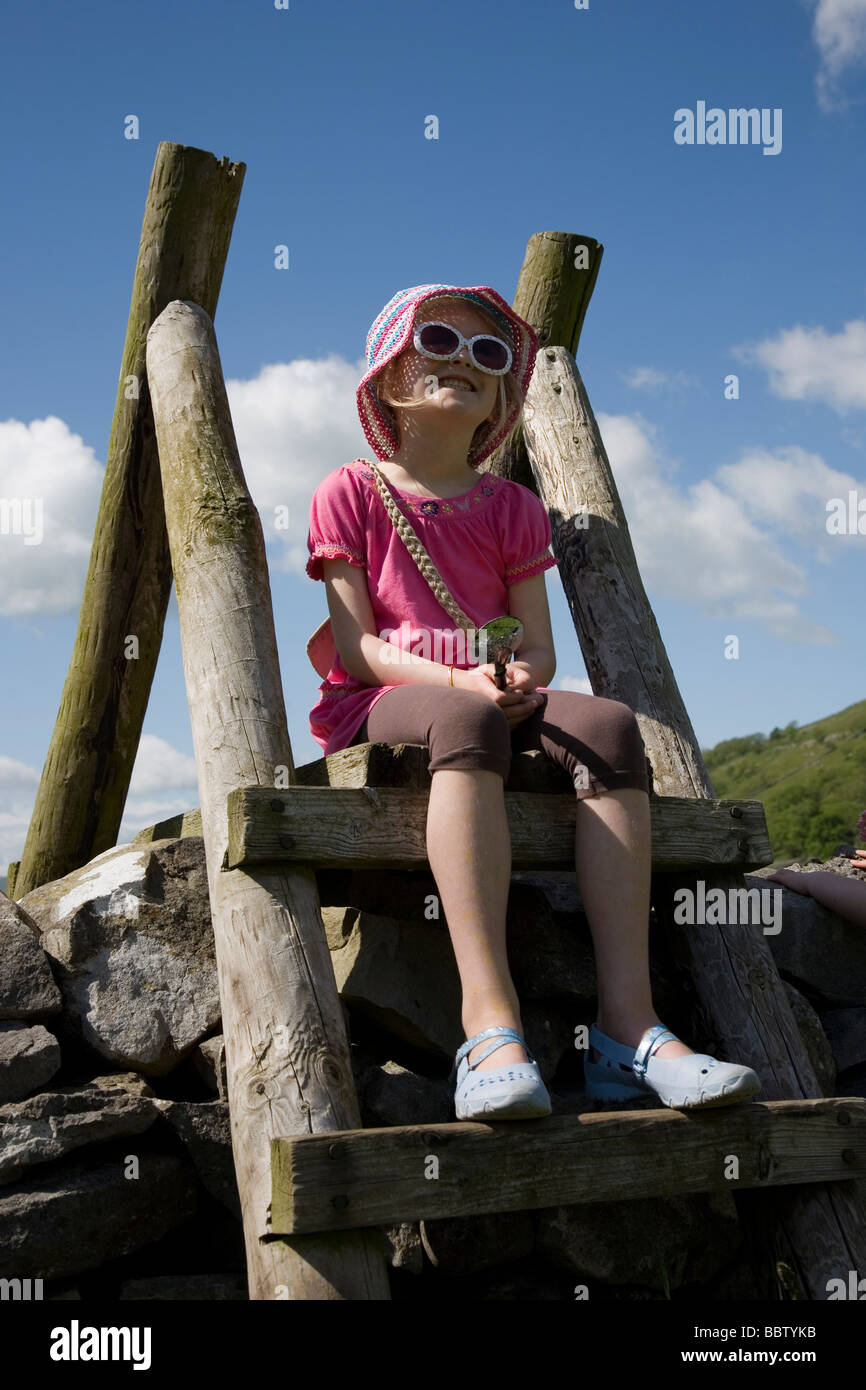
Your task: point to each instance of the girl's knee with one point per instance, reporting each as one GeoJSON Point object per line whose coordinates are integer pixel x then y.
{"type": "Point", "coordinates": [472, 712]}
{"type": "Point", "coordinates": [619, 715]}
{"type": "Point", "coordinates": [470, 731]}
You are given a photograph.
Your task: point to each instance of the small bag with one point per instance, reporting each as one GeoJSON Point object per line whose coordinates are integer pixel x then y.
{"type": "Point", "coordinates": [321, 647]}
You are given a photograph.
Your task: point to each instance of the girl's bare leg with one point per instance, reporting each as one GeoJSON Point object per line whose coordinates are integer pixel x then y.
{"type": "Point", "coordinates": [469, 850]}
{"type": "Point", "coordinates": [612, 856]}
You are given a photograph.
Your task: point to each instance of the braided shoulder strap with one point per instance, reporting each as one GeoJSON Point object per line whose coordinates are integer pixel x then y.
{"type": "Point", "coordinates": [419, 554]}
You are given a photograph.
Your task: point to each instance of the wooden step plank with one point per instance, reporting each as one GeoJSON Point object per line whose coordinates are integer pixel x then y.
{"type": "Point", "coordinates": [378, 765]}
{"type": "Point", "coordinates": [378, 1177]}
{"type": "Point", "coordinates": [408, 765]}
{"type": "Point", "coordinates": [370, 827]}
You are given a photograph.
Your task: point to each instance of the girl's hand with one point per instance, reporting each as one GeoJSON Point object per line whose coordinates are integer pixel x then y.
{"type": "Point", "coordinates": [518, 676]}
{"type": "Point", "coordinates": [517, 701]}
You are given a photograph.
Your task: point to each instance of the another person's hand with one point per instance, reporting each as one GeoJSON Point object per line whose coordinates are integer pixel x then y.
{"type": "Point", "coordinates": [517, 701]}
{"type": "Point", "coordinates": [840, 893]}
{"type": "Point", "coordinates": [790, 878]}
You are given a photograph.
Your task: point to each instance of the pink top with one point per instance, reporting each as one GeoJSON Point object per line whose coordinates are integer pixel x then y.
{"type": "Point", "coordinates": [481, 542]}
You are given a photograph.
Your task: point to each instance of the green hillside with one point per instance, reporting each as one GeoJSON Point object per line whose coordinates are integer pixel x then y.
{"type": "Point", "coordinates": [812, 781]}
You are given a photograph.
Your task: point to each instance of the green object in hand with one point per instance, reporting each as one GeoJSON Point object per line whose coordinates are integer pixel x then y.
{"type": "Point", "coordinates": [497, 640]}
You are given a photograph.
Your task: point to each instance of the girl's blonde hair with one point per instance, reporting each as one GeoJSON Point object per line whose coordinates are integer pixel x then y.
{"type": "Point", "coordinates": [509, 390]}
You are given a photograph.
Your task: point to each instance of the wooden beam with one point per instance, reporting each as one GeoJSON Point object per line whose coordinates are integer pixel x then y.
{"type": "Point", "coordinates": [555, 285]}
{"type": "Point", "coordinates": [385, 827]}
{"type": "Point", "coordinates": [408, 765]}
{"type": "Point", "coordinates": [188, 218]}
{"type": "Point", "coordinates": [377, 1177]}
{"type": "Point", "coordinates": [625, 658]}
{"type": "Point", "coordinates": [287, 1054]}
{"type": "Point", "coordinates": [556, 282]}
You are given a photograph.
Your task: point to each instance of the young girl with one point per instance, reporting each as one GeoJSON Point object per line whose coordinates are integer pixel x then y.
{"type": "Point", "coordinates": [448, 369]}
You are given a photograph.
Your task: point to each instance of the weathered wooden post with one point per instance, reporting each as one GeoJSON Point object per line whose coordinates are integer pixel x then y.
{"type": "Point", "coordinates": [743, 1010]}
{"type": "Point", "coordinates": [188, 219]}
{"type": "Point", "coordinates": [287, 1055]}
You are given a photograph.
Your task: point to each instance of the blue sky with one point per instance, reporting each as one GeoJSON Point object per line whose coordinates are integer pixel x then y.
{"type": "Point", "coordinates": [718, 259]}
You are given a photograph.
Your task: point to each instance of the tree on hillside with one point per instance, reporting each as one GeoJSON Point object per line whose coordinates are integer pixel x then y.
{"type": "Point", "coordinates": [732, 748]}
{"type": "Point", "coordinates": [826, 832]}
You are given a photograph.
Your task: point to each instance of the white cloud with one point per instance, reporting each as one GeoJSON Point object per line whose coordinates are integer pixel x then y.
{"type": "Point", "coordinates": [16, 777]}
{"type": "Point", "coordinates": [139, 814]}
{"type": "Point", "coordinates": [812, 364]}
{"type": "Point", "coordinates": [295, 423]}
{"type": "Point", "coordinates": [789, 489]}
{"type": "Point", "coordinates": [163, 784]}
{"type": "Point", "coordinates": [579, 683]}
{"type": "Point", "coordinates": [839, 32]}
{"type": "Point", "coordinates": [159, 770]}
{"type": "Point", "coordinates": [710, 543]}
{"type": "Point", "coordinates": [51, 477]}
{"type": "Point", "coordinates": [159, 766]}
{"type": "Point", "coordinates": [651, 379]}
{"type": "Point", "coordinates": [18, 785]}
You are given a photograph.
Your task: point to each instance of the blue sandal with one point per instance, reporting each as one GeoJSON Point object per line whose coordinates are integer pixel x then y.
{"type": "Point", "coordinates": [517, 1092]}
{"type": "Point", "coordinates": [681, 1083]}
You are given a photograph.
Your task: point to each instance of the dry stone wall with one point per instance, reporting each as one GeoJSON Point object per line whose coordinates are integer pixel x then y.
{"type": "Point", "coordinates": [115, 1149]}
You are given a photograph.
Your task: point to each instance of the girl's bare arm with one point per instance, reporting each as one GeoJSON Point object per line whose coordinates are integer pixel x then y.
{"type": "Point", "coordinates": [528, 602]}
{"type": "Point", "coordinates": [365, 655]}
{"type": "Point", "coordinates": [371, 659]}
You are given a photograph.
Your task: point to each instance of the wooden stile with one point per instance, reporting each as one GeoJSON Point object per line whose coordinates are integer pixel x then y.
{"type": "Point", "coordinates": [314, 1186]}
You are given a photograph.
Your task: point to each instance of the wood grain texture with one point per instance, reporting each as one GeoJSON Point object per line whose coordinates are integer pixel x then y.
{"type": "Point", "coordinates": [188, 218]}
{"type": "Point", "coordinates": [382, 1176]}
{"type": "Point", "coordinates": [619, 637]}
{"type": "Point", "coordinates": [287, 1054]}
{"type": "Point", "coordinates": [385, 827]}
{"type": "Point", "coordinates": [555, 285]}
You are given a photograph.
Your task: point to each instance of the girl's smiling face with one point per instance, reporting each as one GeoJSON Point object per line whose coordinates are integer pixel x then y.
{"type": "Point", "coordinates": [412, 376]}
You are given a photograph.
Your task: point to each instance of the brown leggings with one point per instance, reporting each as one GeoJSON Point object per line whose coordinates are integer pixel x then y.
{"type": "Point", "coordinates": [597, 740]}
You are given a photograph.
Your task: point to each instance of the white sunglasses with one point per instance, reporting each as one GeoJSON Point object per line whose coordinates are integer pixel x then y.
{"type": "Point", "coordinates": [442, 342]}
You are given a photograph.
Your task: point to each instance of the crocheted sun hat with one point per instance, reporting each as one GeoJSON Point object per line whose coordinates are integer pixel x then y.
{"type": "Point", "coordinates": [392, 331]}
